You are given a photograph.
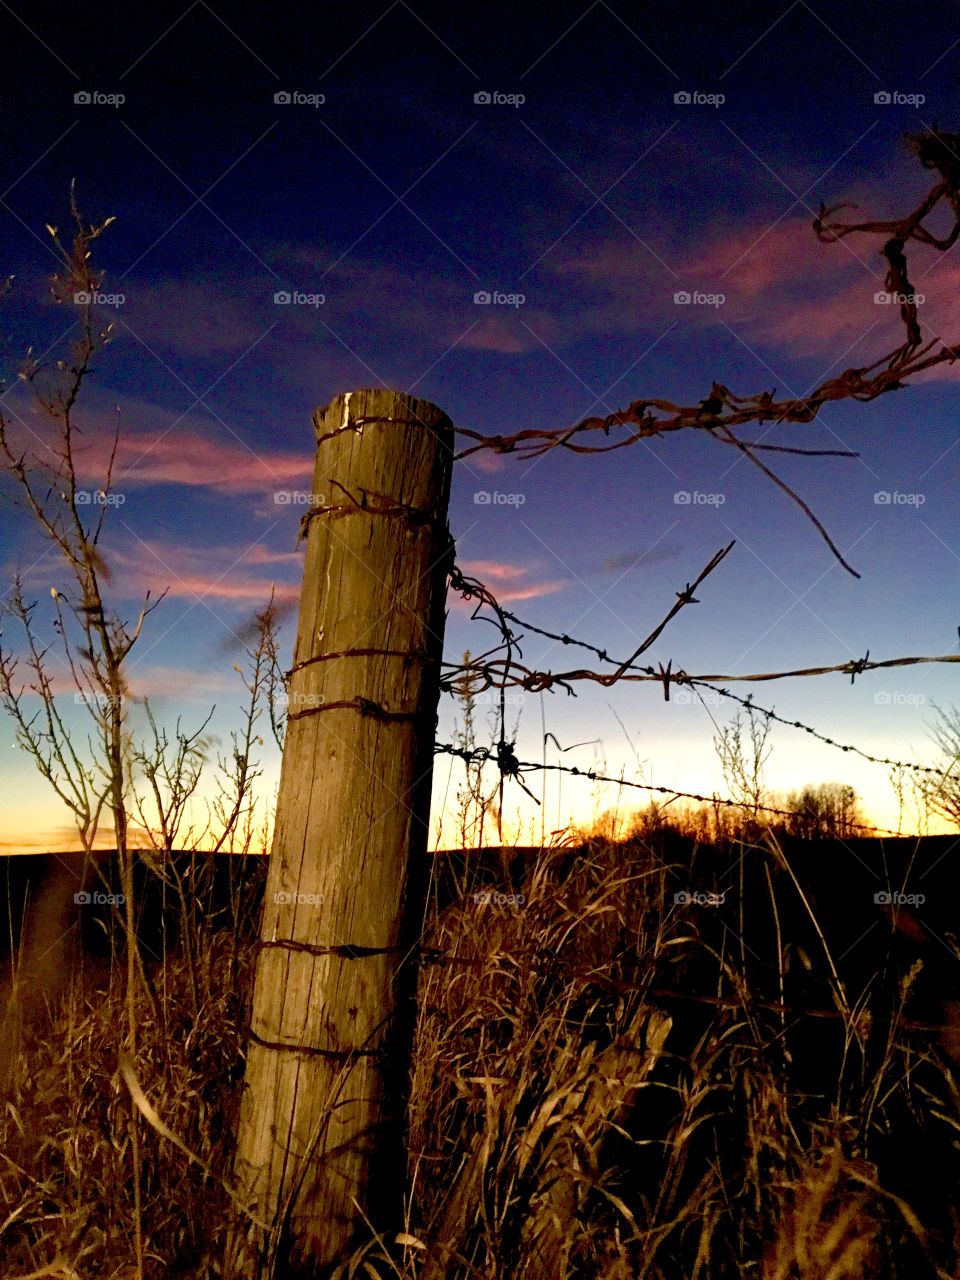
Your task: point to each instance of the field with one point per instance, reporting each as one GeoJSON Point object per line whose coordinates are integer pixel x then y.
{"type": "Point", "coordinates": [640, 1059]}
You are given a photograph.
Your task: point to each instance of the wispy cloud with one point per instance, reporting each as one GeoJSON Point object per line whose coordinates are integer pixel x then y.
{"type": "Point", "coordinates": [758, 257]}
{"type": "Point", "coordinates": [213, 460]}
{"type": "Point", "coordinates": [159, 445]}
{"type": "Point", "coordinates": [502, 331]}
{"type": "Point", "coordinates": [782, 288]}
{"type": "Point", "coordinates": [212, 318]}
{"type": "Point", "coordinates": [510, 582]}
{"type": "Point", "coordinates": [624, 560]}
{"type": "Point", "coordinates": [178, 683]}
{"type": "Point", "coordinates": [222, 573]}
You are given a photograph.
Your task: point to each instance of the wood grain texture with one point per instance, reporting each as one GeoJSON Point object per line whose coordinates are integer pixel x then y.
{"type": "Point", "coordinates": [321, 1121]}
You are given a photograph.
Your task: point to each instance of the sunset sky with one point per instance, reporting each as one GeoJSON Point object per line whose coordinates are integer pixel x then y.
{"type": "Point", "coordinates": [596, 199]}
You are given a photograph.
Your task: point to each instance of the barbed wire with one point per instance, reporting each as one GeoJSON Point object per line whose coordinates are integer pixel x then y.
{"type": "Point", "coordinates": [935, 149]}
{"type": "Point", "coordinates": [720, 415]}
{"type": "Point", "coordinates": [822, 737]}
{"type": "Point", "coordinates": [864, 384]}
{"type": "Point", "coordinates": [708, 414]}
{"type": "Point", "coordinates": [484, 668]}
{"type": "Point", "coordinates": [511, 767]}
{"type": "Point", "coordinates": [722, 412]}
{"type": "Point", "coordinates": [696, 683]}
{"type": "Point", "coordinates": [504, 673]}
{"type": "Point", "coordinates": [488, 671]}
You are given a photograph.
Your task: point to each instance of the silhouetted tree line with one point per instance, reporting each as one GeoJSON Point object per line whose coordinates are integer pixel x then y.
{"type": "Point", "coordinates": [822, 811]}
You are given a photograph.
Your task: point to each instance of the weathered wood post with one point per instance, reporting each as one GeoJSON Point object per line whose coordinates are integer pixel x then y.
{"type": "Point", "coordinates": [320, 1141]}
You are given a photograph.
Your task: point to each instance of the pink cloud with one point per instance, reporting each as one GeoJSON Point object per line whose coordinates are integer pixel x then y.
{"type": "Point", "coordinates": [263, 555]}
{"type": "Point", "coordinates": [495, 570]}
{"type": "Point", "coordinates": [182, 456]}
{"type": "Point", "coordinates": [176, 682]}
{"type": "Point", "coordinates": [232, 586]}
{"type": "Point", "coordinates": [849, 320]}
{"type": "Point", "coordinates": [162, 446]}
{"type": "Point", "coordinates": [485, 460]}
{"type": "Point", "coordinates": [499, 333]}
{"type": "Point", "coordinates": [533, 591]}
{"type": "Point", "coordinates": [208, 573]}
{"type": "Point", "coordinates": [506, 581]}
{"type": "Point", "coordinates": [756, 258]}
{"type": "Point", "coordinates": [747, 260]}
{"type": "Point", "coordinates": [782, 287]}
{"type": "Point", "coordinates": [755, 268]}
{"type": "Point", "coordinates": [506, 330]}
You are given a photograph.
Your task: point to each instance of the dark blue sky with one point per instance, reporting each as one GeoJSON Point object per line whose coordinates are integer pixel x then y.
{"type": "Point", "coordinates": [598, 198]}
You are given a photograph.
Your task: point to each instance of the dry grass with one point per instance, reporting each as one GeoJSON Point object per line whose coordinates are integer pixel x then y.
{"type": "Point", "coordinates": [65, 1160]}
{"type": "Point", "coordinates": [603, 1087]}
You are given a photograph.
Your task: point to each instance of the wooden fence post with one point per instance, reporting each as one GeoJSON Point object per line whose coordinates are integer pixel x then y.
{"type": "Point", "coordinates": [320, 1140]}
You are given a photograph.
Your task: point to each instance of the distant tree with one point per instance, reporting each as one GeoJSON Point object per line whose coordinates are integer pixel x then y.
{"type": "Point", "coordinates": [829, 810]}
{"type": "Point", "coordinates": [942, 795]}
{"type": "Point", "coordinates": [694, 821]}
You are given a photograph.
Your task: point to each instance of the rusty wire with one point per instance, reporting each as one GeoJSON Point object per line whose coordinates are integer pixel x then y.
{"type": "Point", "coordinates": [474, 755]}
{"type": "Point", "coordinates": [864, 384]}
{"type": "Point", "coordinates": [491, 672]}
{"type": "Point", "coordinates": [719, 415]}
{"type": "Point", "coordinates": [721, 412]}
{"type": "Point", "coordinates": [696, 683]}
{"type": "Point", "coordinates": [498, 674]}
{"type": "Point", "coordinates": [935, 149]}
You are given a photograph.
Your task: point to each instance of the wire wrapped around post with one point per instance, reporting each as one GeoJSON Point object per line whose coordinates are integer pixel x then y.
{"type": "Point", "coordinates": [320, 1150]}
